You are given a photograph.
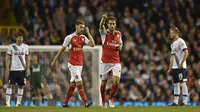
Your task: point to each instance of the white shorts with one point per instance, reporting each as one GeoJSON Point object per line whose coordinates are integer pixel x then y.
{"type": "Point", "coordinates": [107, 68]}
{"type": "Point", "coordinates": [75, 72]}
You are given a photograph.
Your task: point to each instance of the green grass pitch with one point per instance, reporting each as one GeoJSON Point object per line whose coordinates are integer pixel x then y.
{"type": "Point", "coordinates": [99, 109]}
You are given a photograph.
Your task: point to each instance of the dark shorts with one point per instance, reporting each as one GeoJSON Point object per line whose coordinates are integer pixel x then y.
{"type": "Point", "coordinates": [18, 77]}
{"type": "Point", "coordinates": [36, 84]}
{"type": "Point", "coordinates": [179, 75]}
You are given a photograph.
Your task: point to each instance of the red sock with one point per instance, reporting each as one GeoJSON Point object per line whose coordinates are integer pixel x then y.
{"type": "Point", "coordinates": [82, 93]}
{"type": "Point", "coordinates": [69, 94]}
{"type": "Point", "coordinates": [103, 93]}
{"type": "Point", "coordinates": [113, 90]}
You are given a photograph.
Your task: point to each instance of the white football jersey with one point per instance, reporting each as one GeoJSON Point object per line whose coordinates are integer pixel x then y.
{"type": "Point", "coordinates": [22, 51]}
{"type": "Point", "coordinates": [177, 48]}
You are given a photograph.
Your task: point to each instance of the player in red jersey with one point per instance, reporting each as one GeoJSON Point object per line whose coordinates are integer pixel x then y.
{"type": "Point", "coordinates": [75, 43]}
{"type": "Point", "coordinates": [110, 61]}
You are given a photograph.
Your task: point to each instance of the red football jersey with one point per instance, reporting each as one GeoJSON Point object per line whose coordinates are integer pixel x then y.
{"type": "Point", "coordinates": [110, 42]}
{"type": "Point", "coordinates": [75, 44]}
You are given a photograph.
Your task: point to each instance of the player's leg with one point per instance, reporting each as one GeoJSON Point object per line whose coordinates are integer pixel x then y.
{"type": "Point", "coordinates": [33, 95]}
{"type": "Point", "coordinates": [72, 86]}
{"type": "Point", "coordinates": [175, 75]}
{"type": "Point", "coordinates": [81, 92]}
{"type": "Point", "coordinates": [33, 91]}
{"type": "Point", "coordinates": [104, 72]}
{"type": "Point", "coordinates": [21, 81]}
{"type": "Point", "coordinates": [20, 92]}
{"type": "Point", "coordinates": [8, 94]}
{"type": "Point", "coordinates": [11, 80]}
{"type": "Point", "coordinates": [115, 82]}
{"type": "Point", "coordinates": [116, 70]}
{"type": "Point", "coordinates": [41, 89]}
{"type": "Point", "coordinates": [79, 85]}
{"type": "Point", "coordinates": [69, 94]}
{"type": "Point", "coordinates": [104, 80]}
{"type": "Point", "coordinates": [176, 93]}
{"type": "Point", "coordinates": [184, 88]}
{"type": "Point", "coordinates": [185, 93]}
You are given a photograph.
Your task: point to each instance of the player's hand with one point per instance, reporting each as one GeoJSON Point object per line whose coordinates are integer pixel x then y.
{"type": "Point", "coordinates": [53, 64]}
{"type": "Point", "coordinates": [119, 47]}
{"type": "Point", "coordinates": [181, 65]}
{"type": "Point", "coordinates": [87, 30]}
{"type": "Point", "coordinates": [28, 72]}
{"type": "Point", "coordinates": [168, 71]}
{"type": "Point", "coordinates": [105, 16]}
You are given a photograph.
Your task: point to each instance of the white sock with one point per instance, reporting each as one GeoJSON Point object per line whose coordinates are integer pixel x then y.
{"type": "Point", "coordinates": [8, 95]}
{"type": "Point", "coordinates": [20, 94]}
{"type": "Point", "coordinates": [176, 92]}
{"type": "Point", "coordinates": [185, 92]}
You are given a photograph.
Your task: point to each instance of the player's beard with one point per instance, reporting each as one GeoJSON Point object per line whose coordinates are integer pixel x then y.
{"type": "Point", "coordinates": [80, 32]}
{"type": "Point", "coordinates": [111, 29]}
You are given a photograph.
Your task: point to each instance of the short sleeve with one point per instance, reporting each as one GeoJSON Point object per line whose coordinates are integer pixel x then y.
{"type": "Point", "coordinates": [27, 50]}
{"type": "Point", "coordinates": [66, 41]}
{"type": "Point", "coordinates": [9, 51]}
{"type": "Point", "coordinates": [86, 40]}
{"type": "Point", "coordinates": [183, 45]}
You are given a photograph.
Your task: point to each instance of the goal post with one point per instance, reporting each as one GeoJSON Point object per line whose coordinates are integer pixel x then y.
{"type": "Point", "coordinates": [58, 78]}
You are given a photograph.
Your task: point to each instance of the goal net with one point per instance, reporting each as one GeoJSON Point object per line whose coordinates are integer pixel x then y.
{"type": "Point", "coordinates": [57, 79]}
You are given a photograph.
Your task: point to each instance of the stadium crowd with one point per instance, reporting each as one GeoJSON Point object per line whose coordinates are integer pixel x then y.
{"type": "Point", "coordinates": [145, 28]}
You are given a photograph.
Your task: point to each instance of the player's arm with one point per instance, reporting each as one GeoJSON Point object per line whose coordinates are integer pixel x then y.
{"type": "Point", "coordinates": [27, 69]}
{"type": "Point", "coordinates": [91, 40]}
{"type": "Point", "coordinates": [102, 23]}
{"type": "Point", "coordinates": [170, 63]}
{"type": "Point", "coordinates": [57, 56]}
{"type": "Point", "coordinates": [120, 44]}
{"type": "Point", "coordinates": [185, 55]}
{"type": "Point", "coordinates": [27, 65]}
{"type": "Point", "coordinates": [8, 59]}
{"type": "Point", "coordinates": [62, 49]}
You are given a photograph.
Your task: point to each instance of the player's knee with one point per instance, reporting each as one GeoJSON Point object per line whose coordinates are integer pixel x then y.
{"type": "Point", "coordinates": [73, 84]}
{"type": "Point", "coordinates": [115, 80]}
{"type": "Point", "coordinates": [103, 82]}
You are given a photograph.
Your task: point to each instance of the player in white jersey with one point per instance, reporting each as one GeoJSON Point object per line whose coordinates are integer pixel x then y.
{"type": "Point", "coordinates": [17, 63]}
{"type": "Point", "coordinates": [177, 66]}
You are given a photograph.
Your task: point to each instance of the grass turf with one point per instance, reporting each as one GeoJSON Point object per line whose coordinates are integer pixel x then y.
{"type": "Point", "coordinates": [99, 109]}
